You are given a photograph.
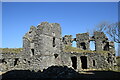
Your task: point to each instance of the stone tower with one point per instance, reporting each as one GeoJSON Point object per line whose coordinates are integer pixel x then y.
{"type": "Point", "coordinates": [44, 44]}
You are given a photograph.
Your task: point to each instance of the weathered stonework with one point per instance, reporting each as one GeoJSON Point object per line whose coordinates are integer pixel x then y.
{"type": "Point", "coordinates": [43, 46]}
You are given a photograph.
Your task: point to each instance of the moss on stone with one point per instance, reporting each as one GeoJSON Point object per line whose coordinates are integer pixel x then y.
{"type": "Point", "coordinates": [118, 63]}
{"type": "Point", "coordinates": [32, 27]}
{"type": "Point", "coordinates": [118, 60]}
{"type": "Point", "coordinates": [118, 69]}
{"type": "Point", "coordinates": [74, 49]}
{"type": "Point", "coordinates": [10, 50]}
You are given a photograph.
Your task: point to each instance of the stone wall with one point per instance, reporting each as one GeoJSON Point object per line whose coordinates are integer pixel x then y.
{"type": "Point", "coordinates": [43, 46]}
{"type": "Point", "coordinates": [88, 60]}
{"type": "Point", "coordinates": [83, 41]}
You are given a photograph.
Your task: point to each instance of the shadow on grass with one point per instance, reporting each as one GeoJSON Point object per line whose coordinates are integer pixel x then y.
{"type": "Point", "coordinates": [60, 73]}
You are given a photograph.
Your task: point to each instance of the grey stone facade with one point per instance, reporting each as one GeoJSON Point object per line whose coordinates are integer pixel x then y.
{"type": "Point", "coordinates": [43, 46]}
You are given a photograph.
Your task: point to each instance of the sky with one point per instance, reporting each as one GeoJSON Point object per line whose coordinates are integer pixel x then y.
{"type": "Point", "coordinates": [74, 17]}
{"type": "Point", "coordinates": [60, 0]}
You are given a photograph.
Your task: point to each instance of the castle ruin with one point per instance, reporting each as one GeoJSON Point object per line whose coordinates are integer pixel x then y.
{"type": "Point", "coordinates": [43, 46]}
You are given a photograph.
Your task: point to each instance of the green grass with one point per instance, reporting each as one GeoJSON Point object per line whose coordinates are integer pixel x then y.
{"type": "Point", "coordinates": [119, 68]}
{"type": "Point", "coordinates": [74, 49]}
{"type": "Point", "coordinates": [118, 63]}
{"type": "Point", "coordinates": [10, 50]}
{"type": "Point", "coordinates": [118, 60]}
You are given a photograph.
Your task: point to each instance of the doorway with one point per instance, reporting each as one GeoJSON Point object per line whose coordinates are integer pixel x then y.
{"type": "Point", "coordinates": [84, 62]}
{"type": "Point", "coordinates": [74, 62]}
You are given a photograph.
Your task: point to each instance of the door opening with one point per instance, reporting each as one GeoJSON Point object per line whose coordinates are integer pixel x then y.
{"type": "Point", "coordinates": [74, 62]}
{"type": "Point", "coordinates": [84, 62]}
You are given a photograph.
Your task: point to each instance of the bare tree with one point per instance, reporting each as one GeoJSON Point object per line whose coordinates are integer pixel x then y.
{"type": "Point", "coordinates": [113, 30]}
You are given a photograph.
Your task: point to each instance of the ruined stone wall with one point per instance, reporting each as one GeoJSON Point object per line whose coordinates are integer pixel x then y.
{"type": "Point", "coordinates": [94, 60]}
{"type": "Point", "coordinates": [100, 41]}
{"type": "Point", "coordinates": [28, 41]}
{"type": "Point", "coordinates": [49, 43]}
{"type": "Point", "coordinates": [9, 61]}
{"type": "Point", "coordinates": [43, 46]}
{"type": "Point", "coordinates": [83, 41]}
{"type": "Point", "coordinates": [67, 40]}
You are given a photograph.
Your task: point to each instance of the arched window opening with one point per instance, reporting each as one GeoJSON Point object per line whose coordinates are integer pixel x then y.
{"type": "Point", "coordinates": [74, 44]}
{"type": "Point", "coordinates": [83, 45]}
{"type": "Point", "coordinates": [106, 47]}
{"type": "Point", "coordinates": [92, 45]}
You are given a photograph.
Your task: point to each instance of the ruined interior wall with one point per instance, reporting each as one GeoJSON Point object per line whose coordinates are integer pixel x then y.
{"type": "Point", "coordinates": [14, 61]}
{"type": "Point", "coordinates": [28, 41]}
{"type": "Point", "coordinates": [9, 61]}
{"type": "Point", "coordinates": [67, 40]}
{"type": "Point", "coordinates": [100, 40]}
{"type": "Point", "coordinates": [101, 60]}
{"type": "Point", "coordinates": [82, 41]}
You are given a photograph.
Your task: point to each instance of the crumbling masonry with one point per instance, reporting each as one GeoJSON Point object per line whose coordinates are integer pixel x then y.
{"type": "Point", "coordinates": [43, 46]}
